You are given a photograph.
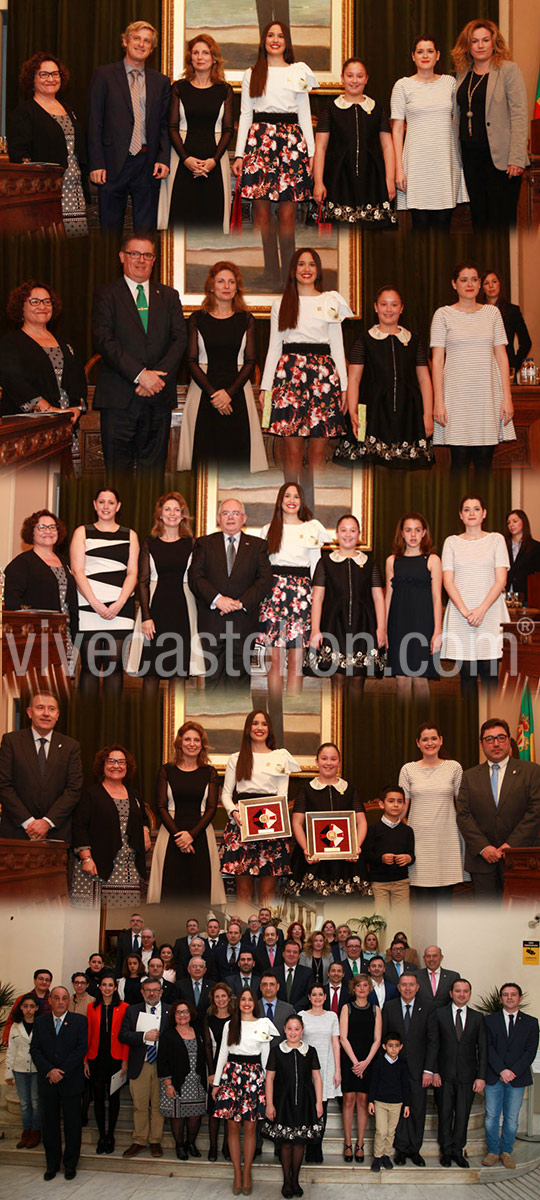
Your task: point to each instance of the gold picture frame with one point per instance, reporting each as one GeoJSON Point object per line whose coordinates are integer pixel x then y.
{"type": "Point", "coordinates": [255, 810]}
{"type": "Point", "coordinates": [331, 835]}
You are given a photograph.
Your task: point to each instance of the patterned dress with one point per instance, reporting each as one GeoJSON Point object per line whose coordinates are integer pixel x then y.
{"type": "Point", "coordinates": [192, 1099]}
{"type": "Point", "coordinates": [294, 1094]}
{"type": "Point", "coordinates": [123, 887]}
{"type": "Point", "coordinates": [285, 614]}
{"type": "Point", "coordinates": [240, 1071]}
{"type": "Point", "coordinates": [73, 201]}
{"type": "Point", "coordinates": [269, 777]}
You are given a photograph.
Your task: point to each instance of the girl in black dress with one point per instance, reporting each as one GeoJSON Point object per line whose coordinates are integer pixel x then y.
{"type": "Point", "coordinates": [348, 621]}
{"type": "Point", "coordinates": [187, 796]}
{"type": "Point", "coordinates": [220, 421]}
{"type": "Point", "coordinates": [389, 393]}
{"type": "Point", "coordinates": [325, 793]}
{"type": "Point", "coordinates": [413, 606]}
{"type": "Point", "coordinates": [294, 1103]}
{"type": "Point", "coordinates": [163, 562]}
{"type": "Point", "coordinates": [200, 128]}
{"type": "Point", "coordinates": [354, 164]}
{"type": "Point", "coordinates": [221, 1003]}
{"type": "Point", "coordinates": [360, 1028]}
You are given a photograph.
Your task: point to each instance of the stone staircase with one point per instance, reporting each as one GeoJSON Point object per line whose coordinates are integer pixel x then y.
{"type": "Point", "coordinates": [266, 1168]}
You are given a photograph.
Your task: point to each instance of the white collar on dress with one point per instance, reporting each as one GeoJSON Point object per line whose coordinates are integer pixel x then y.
{"type": "Point", "coordinates": [359, 558]}
{"type": "Point", "coordinates": [364, 101]}
{"type": "Point", "coordinates": [302, 1047]}
{"type": "Point", "coordinates": [340, 785]}
{"type": "Point", "coordinates": [402, 334]}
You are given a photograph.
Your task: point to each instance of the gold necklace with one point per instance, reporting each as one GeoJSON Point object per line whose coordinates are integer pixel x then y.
{"type": "Point", "coordinates": [470, 94]}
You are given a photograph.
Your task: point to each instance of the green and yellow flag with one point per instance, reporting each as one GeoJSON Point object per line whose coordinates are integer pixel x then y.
{"type": "Point", "coordinates": [525, 729]}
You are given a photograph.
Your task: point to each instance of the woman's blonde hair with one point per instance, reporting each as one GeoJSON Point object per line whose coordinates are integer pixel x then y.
{"type": "Point", "coordinates": [217, 74]}
{"type": "Point", "coordinates": [461, 53]}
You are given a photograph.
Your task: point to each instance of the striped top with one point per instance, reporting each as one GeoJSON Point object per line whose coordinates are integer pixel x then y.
{"type": "Point", "coordinates": [105, 567]}
{"type": "Point", "coordinates": [432, 816]}
{"type": "Point", "coordinates": [431, 159]}
{"type": "Point", "coordinates": [472, 384]}
{"type": "Point", "coordinates": [473, 562]}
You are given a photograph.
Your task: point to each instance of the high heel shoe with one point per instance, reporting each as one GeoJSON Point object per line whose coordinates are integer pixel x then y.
{"type": "Point", "coordinates": [359, 1152]}
{"type": "Point", "coordinates": [236, 1190]}
{"type": "Point", "coordinates": [347, 1153]}
{"type": "Point", "coordinates": [193, 1150]}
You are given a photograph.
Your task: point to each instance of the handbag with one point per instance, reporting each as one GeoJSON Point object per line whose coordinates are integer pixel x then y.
{"type": "Point", "coordinates": [236, 215]}
{"type": "Point", "coordinates": [324, 227]}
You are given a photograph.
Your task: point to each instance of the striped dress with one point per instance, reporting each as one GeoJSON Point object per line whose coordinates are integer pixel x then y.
{"type": "Point", "coordinates": [472, 384]}
{"type": "Point", "coordinates": [432, 816]}
{"type": "Point", "coordinates": [473, 562]}
{"type": "Point", "coordinates": [105, 567]}
{"type": "Point", "coordinates": [430, 157]}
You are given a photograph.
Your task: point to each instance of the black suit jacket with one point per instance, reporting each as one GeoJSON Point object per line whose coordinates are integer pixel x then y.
{"type": "Point", "coordinates": [124, 946]}
{"type": "Point", "coordinates": [262, 961]}
{"type": "Point", "coordinates": [516, 818]}
{"type": "Point", "coordinates": [418, 1046]}
{"type": "Point", "coordinates": [442, 995]}
{"type": "Point", "coordinates": [24, 794]}
{"type": "Point", "coordinates": [249, 581]}
{"type": "Point", "coordinates": [125, 348]}
{"type": "Point", "coordinates": [110, 119]}
{"type": "Point", "coordinates": [96, 824]}
{"type": "Point", "coordinates": [303, 978]}
{"type": "Point", "coordinates": [132, 1037]}
{"type": "Point", "coordinates": [463, 1061]}
{"type": "Point", "coordinates": [65, 1050]}
{"type": "Point", "coordinates": [343, 997]}
{"type": "Point", "coordinates": [26, 372]}
{"type": "Point", "coordinates": [514, 325]}
{"type": "Point", "coordinates": [32, 133]}
{"type": "Point", "coordinates": [185, 992]}
{"type": "Point", "coordinates": [173, 1058]}
{"type": "Point", "coordinates": [235, 983]}
{"type": "Point", "coordinates": [30, 583]}
{"type": "Point", "coordinates": [526, 563]}
{"type": "Point", "coordinates": [515, 1053]}
{"type": "Point", "coordinates": [391, 975]}
{"type": "Point", "coordinates": [282, 1010]}
{"type": "Point", "coordinates": [222, 966]}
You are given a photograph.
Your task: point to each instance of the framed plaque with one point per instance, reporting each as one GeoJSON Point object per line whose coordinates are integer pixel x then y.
{"type": "Point", "coordinates": [331, 835]}
{"type": "Point", "coordinates": [264, 817]}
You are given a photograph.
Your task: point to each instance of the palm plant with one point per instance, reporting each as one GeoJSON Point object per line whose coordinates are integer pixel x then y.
{"type": "Point", "coordinates": [7, 999]}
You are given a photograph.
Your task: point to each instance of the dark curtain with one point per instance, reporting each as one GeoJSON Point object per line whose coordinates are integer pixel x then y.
{"type": "Point", "coordinates": [138, 496]}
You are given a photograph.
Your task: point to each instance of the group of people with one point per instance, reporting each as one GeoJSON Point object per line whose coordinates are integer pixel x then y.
{"type": "Point", "coordinates": [466, 138]}
{"type": "Point", "coordinates": [207, 606]}
{"type": "Point", "coordinates": [266, 1052]}
{"type": "Point", "coordinates": [386, 406]}
{"type": "Point", "coordinates": [494, 807]}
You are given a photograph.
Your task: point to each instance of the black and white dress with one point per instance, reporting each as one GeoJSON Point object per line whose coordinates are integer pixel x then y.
{"type": "Point", "coordinates": [105, 567]}
{"type": "Point", "coordinates": [472, 384]}
{"type": "Point", "coordinates": [294, 1094]}
{"type": "Point", "coordinates": [285, 614]}
{"type": "Point", "coordinates": [201, 124]}
{"type": "Point", "coordinates": [275, 135]}
{"type": "Point", "coordinates": [431, 160]}
{"type": "Point", "coordinates": [354, 170]}
{"type": "Point", "coordinates": [73, 201]}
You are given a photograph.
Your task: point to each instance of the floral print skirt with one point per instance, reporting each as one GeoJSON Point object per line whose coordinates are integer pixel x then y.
{"type": "Point", "coordinates": [241, 1095]}
{"type": "Point", "coordinates": [306, 398]}
{"type": "Point", "coordinates": [275, 165]}
{"type": "Point", "coordinates": [270, 856]}
{"type": "Point", "coordinates": [285, 615]}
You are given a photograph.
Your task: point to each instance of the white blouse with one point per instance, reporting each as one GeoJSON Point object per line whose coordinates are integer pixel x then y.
{"type": "Point", "coordinates": [287, 91]}
{"type": "Point", "coordinates": [255, 1038]}
{"type": "Point", "coordinates": [300, 545]}
{"type": "Point", "coordinates": [319, 320]}
{"type": "Point", "coordinates": [269, 777]}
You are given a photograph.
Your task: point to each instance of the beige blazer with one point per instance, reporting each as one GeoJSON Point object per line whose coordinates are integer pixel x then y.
{"type": "Point", "coordinates": [507, 117]}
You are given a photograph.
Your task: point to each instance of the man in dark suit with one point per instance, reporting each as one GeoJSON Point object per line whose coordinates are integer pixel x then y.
{"type": "Point", "coordinates": [253, 935]}
{"type": "Point", "coordinates": [435, 981]}
{"type": "Point", "coordinates": [294, 981]}
{"type": "Point", "coordinates": [459, 1069]}
{"type": "Point", "coordinates": [381, 990]}
{"type": "Point", "coordinates": [409, 1017]}
{"type": "Point", "coordinates": [58, 1048]}
{"type": "Point", "coordinates": [339, 947]}
{"type": "Point", "coordinates": [245, 976]}
{"type": "Point", "coordinates": [141, 1029]}
{"type": "Point", "coordinates": [214, 935]}
{"type": "Point", "coordinates": [269, 955]}
{"type": "Point", "coordinates": [138, 328]}
{"type": "Point", "coordinates": [498, 807]}
{"type": "Point", "coordinates": [40, 777]}
{"type": "Point", "coordinates": [336, 991]}
{"type": "Point", "coordinates": [227, 953]}
{"type": "Point", "coordinates": [197, 949]}
{"type": "Point", "coordinates": [181, 946]}
{"type": "Point", "coordinates": [265, 917]}
{"type": "Point", "coordinates": [128, 142]}
{"type": "Point", "coordinates": [229, 575]}
{"type": "Point", "coordinates": [397, 965]}
{"type": "Point", "coordinates": [512, 1046]}
{"type": "Point", "coordinates": [155, 972]}
{"type": "Point", "coordinates": [196, 988]}
{"type": "Point", "coordinates": [353, 963]}
{"type": "Point", "coordinates": [129, 941]}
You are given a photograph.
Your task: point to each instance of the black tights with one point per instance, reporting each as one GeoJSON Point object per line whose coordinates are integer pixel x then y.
{"type": "Point", "coordinates": [291, 1154]}
{"type": "Point", "coordinates": [100, 1089]}
{"type": "Point", "coordinates": [97, 654]}
{"type": "Point", "coordinates": [425, 218]}
{"type": "Point", "coordinates": [486, 669]}
{"type": "Point", "coordinates": [191, 1125]}
{"type": "Point", "coordinates": [213, 1132]}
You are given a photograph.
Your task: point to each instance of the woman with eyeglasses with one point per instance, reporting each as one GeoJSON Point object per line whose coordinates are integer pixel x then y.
{"type": "Point", "coordinates": [39, 371]}
{"type": "Point", "coordinates": [111, 834]}
{"type": "Point", "coordinates": [44, 129]}
{"type": "Point", "coordinates": [40, 578]}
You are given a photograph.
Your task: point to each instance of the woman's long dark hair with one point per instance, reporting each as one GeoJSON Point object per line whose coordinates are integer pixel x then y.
{"type": "Point", "coordinates": [115, 1000]}
{"type": "Point", "coordinates": [288, 309]}
{"type": "Point", "coordinates": [426, 545]}
{"type": "Point", "coordinates": [259, 73]}
{"type": "Point", "coordinates": [125, 969]}
{"type": "Point", "coordinates": [235, 1026]}
{"type": "Point", "coordinates": [244, 766]}
{"type": "Point", "coordinates": [526, 535]}
{"type": "Point", "coordinates": [502, 302]}
{"type": "Point", "coordinates": [275, 530]}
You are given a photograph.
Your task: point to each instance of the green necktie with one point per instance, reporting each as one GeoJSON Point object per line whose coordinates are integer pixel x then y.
{"type": "Point", "coordinates": [142, 306]}
{"type": "Point", "coordinates": [355, 967]}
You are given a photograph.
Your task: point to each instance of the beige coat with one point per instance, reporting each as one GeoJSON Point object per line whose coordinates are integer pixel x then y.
{"type": "Point", "coordinates": [507, 117]}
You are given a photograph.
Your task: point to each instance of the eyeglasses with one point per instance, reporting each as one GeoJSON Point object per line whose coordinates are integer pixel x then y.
{"type": "Point", "coordinates": [499, 737]}
{"type": "Point", "coordinates": [115, 762]}
{"type": "Point", "coordinates": [140, 254]}
{"type": "Point", "coordinates": [49, 75]}
{"type": "Point", "coordinates": [36, 303]}
{"type": "Point", "coordinates": [46, 528]}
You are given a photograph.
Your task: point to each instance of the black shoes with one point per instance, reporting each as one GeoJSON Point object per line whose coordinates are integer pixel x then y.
{"type": "Point", "coordinates": [387, 1163]}
{"type": "Point", "coordinates": [400, 1159]}
{"type": "Point", "coordinates": [70, 1173]}
{"type": "Point", "coordinates": [48, 1175]}
{"type": "Point", "coordinates": [181, 1152]}
{"type": "Point", "coordinates": [193, 1150]}
{"type": "Point", "coordinates": [100, 1148]}
{"type": "Point", "coordinates": [417, 1160]}
{"type": "Point", "coordinates": [459, 1159]}
{"type": "Point", "coordinates": [445, 1160]}
{"type": "Point", "coordinates": [376, 1164]}
{"type": "Point", "coordinates": [212, 1156]}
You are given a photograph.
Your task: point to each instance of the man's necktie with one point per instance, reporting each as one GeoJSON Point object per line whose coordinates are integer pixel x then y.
{"type": "Point", "coordinates": [142, 306]}
{"type": "Point", "coordinates": [335, 1003]}
{"type": "Point", "coordinates": [232, 960]}
{"type": "Point", "coordinates": [197, 993]}
{"type": "Point", "coordinates": [511, 1025]}
{"type": "Point", "coordinates": [136, 943]}
{"type": "Point", "coordinates": [269, 1012]}
{"type": "Point", "coordinates": [57, 1024]}
{"type": "Point", "coordinates": [136, 144]}
{"type": "Point", "coordinates": [231, 554]}
{"type": "Point", "coordinates": [42, 757]}
{"type": "Point", "coordinates": [271, 955]}
{"type": "Point", "coordinates": [459, 1025]}
{"type": "Point", "coordinates": [407, 1018]}
{"type": "Point", "coordinates": [151, 1053]}
{"type": "Point", "coordinates": [434, 983]}
{"type": "Point", "coordinates": [495, 768]}
{"type": "Point", "coordinates": [245, 982]}
{"type": "Point", "coordinates": [355, 967]}
{"type": "Point", "coordinates": [254, 942]}
{"type": "Point", "coordinates": [399, 968]}
{"type": "Point", "coordinates": [289, 984]}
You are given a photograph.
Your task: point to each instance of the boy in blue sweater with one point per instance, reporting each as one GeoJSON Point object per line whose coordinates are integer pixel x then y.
{"type": "Point", "coordinates": [388, 853]}
{"type": "Point", "coordinates": [388, 1091]}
